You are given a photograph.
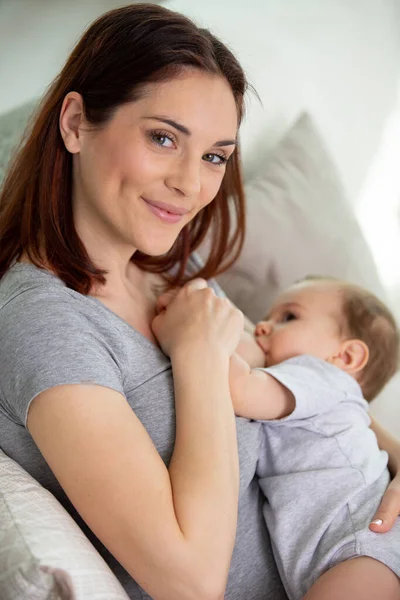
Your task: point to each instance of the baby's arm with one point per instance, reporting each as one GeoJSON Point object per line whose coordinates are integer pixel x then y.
{"type": "Point", "coordinates": [256, 394]}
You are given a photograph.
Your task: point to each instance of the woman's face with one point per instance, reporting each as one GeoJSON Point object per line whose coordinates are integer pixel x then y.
{"type": "Point", "coordinates": [140, 179]}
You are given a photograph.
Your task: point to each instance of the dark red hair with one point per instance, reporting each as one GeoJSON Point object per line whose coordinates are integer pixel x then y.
{"type": "Point", "coordinates": [117, 55]}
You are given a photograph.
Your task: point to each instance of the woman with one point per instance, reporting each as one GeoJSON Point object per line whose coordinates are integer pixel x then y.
{"type": "Point", "coordinates": [129, 163]}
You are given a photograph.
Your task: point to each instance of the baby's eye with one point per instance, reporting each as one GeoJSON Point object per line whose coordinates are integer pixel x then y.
{"type": "Point", "coordinates": [288, 316]}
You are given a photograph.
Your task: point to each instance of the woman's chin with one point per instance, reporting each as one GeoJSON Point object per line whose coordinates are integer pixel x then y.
{"type": "Point", "coordinates": [155, 239]}
{"type": "Point", "coordinates": [156, 248]}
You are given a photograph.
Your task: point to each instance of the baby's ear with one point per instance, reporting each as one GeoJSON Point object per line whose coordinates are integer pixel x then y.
{"type": "Point", "coordinates": [352, 356]}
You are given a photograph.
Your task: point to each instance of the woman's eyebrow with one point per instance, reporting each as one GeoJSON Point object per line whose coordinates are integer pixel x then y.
{"type": "Point", "coordinates": [187, 132]}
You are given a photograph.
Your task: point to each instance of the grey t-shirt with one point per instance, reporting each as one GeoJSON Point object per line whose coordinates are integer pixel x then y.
{"type": "Point", "coordinates": [52, 335]}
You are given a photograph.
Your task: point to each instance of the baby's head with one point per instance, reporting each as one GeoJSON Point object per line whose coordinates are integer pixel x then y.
{"type": "Point", "coordinates": [337, 322]}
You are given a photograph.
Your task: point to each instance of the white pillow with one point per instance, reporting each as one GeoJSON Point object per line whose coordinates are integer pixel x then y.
{"type": "Point", "coordinates": [43, 553]}
{"type": "Point", "coordinates": [299, 223]}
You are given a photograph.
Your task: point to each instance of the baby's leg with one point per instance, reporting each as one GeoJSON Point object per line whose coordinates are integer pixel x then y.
{"type": "Point", "coordinates": [361, 578]}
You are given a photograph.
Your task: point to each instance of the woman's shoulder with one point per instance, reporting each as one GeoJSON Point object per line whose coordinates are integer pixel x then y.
{"type": "Point", "coordinates": [28, 293]}
{"type": "Point", "coordinates": [34, 293]}
{"type": "Point", "coordinates": [22, 277]}
{"type": "Point", "coordinates": [38, 309]}
{"type": "Point", "coordinates": [50, 337]}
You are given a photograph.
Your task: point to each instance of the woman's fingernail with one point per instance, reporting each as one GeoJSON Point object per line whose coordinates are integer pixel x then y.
{"type": "Point", "coordinates": [377, 522]}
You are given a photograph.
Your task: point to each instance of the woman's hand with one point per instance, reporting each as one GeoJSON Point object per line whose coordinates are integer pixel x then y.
{"type": "Point", "coordinates": [389, 508]}
{"type": "Point", "coordinates": [165, 299]}
{"type": "Point", "coordinates": [193, 316]}
{"type": "Point", "coordinates": [247, 348]}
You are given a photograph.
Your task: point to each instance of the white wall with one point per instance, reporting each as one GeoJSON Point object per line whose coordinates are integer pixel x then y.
{"type": "Point", "coordinates": [339, 59]}
{"type": "Point", "coordinates": [35, 38]}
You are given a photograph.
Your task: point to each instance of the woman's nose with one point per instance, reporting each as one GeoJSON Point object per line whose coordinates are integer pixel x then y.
{"type": "Point", "coordinates": [264, 328]}
{"type": "Point", "coordinates": [185, 178]}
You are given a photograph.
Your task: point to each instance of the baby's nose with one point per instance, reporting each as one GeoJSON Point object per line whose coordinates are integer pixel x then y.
{"type": "Point", "coordinates": [264, 328]}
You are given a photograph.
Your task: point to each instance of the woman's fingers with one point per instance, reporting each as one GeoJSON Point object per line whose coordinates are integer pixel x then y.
{"type": "Point", "coordinates": [166, 298]}
{"type": "Point", "coordinates": [195, 284]}
{"type": "Point", "coordinates": [389, 508]}
{"type": "Point", "coordinates": [196, 316]}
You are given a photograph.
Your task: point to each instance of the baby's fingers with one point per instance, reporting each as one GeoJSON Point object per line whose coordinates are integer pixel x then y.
{"type": "Point", "coordinates": [388, 510]}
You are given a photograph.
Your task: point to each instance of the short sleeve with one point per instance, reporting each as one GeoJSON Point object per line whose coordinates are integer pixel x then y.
{"type": "Point", "coordinates": [47, 339]}
{"type": "Point", "coordinates": [316, 385]}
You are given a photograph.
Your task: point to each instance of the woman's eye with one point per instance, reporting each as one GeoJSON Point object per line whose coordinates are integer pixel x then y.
{"type": "Point", "coordinates": [216, 159]}
{"type": "Point", "coordinates": [289, 316]}
{"type": "Point", "coordinates": [162, 139]}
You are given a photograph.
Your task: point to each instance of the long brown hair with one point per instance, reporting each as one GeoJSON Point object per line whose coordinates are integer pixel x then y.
{"type": "Point", "coordinates": [118, 54]}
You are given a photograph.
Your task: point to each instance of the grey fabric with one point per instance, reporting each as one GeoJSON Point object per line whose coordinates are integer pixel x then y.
{"type": "Point", "coordinates": [52, 335]}
{"type": "Point", "coordinates": [323, 475]}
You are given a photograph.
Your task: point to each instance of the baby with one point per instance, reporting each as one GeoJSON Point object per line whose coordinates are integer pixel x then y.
{"type": "Point", "coordinates": [328, 348]}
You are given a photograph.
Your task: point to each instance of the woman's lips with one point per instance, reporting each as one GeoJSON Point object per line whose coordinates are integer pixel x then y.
{"type": "Point", "coordinates": [161, 210]}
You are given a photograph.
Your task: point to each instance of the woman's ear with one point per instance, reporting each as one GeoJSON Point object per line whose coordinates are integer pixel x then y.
{"type": "Point", "coordinates": [71, 117]}
{"type": "Point", "coordinates": [352, 356]}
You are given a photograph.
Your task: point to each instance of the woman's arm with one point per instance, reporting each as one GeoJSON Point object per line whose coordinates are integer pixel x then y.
{"type": "Point", "coordinates": [110, 470]}
{"type": "Point", "coordinates": [173, 530]}
{"type": "Point", "coordinates": [389, 508]}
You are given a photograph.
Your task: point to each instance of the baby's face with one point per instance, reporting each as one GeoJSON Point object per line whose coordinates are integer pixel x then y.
{"type": "Point", "coordinates": [303, 320]}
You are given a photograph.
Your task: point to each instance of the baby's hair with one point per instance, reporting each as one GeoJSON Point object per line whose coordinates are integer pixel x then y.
{"type": "Point", "coordinates": [366, 318]}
